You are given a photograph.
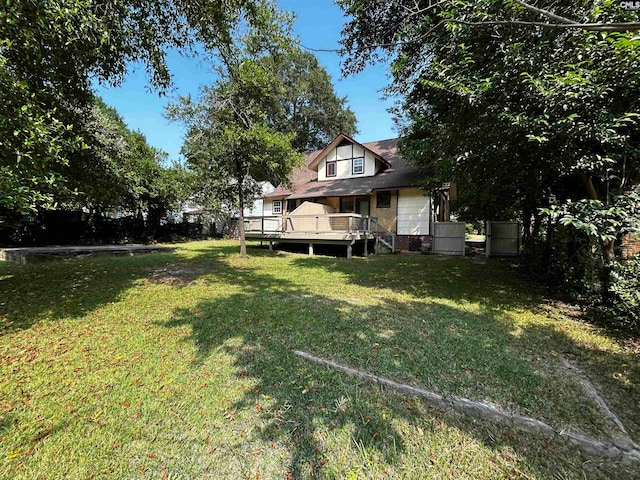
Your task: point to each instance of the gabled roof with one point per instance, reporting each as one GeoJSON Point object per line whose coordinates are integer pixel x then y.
{"type": "Point", "coordinates": [305, 184]}
{"type": "Point", "coordinates": [335, 143]}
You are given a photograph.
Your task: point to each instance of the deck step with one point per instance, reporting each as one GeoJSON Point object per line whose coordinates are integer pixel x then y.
{"type": "Point", "coordinates": [383, 246]}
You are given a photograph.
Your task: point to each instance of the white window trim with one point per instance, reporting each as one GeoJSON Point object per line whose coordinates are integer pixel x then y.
{"type": "Point", "coordinates": [355, 172]}
{"type": "Point", "coordinates": [277, 206]}
{"type": "Point", "coordinates": [334, 163]}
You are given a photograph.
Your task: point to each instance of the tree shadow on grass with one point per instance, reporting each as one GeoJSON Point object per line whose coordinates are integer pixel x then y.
{"type": "Point", "coordinates": [266, 316]}
{"type": "Point", "coordinates": [499, 291]}
{"type": "Point", "coordinates": [439, 347]}
{"type": "Point", "coordinates": [72, 288]}
{"type": "Point", "coordinates": [258, 328]}
{"type": "Point", "coordinates": [67, 288]}
{"type": "Point", "coordinates": [616, 375]}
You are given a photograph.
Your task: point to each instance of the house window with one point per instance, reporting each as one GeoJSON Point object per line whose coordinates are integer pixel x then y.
{"type": "Point", "coordinates": [346, 204]}
{"type": "Point", "coordinates": [383, 200]}
{"type": "Point", "coordinates": [331, 169]}
{"type": "Point", "coordinates": [358, 166]}
{"type": "Point", "coordinates": [277, 206]}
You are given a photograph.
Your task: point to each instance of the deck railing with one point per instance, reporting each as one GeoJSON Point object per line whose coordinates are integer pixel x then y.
{"type": "Point", "coordinates": [385, 236]}
{"type": "Point", "coordinates": [318, 224]}
{"type": "Point", "coordinates": [327, 223]}
{"type": "Point", "coordinates": [264, 224]}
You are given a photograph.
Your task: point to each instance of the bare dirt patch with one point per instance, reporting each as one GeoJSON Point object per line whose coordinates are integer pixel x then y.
{"type": "Point", "coordinates": [180, 275]}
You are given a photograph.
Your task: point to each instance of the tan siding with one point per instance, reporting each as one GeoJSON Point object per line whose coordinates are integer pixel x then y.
{"type": "Point", "coordinates": [333, 202]}
{"type": "Point", "coordinates": [387, 217]}
{"type": "Point", "coordinates": [313, 208]}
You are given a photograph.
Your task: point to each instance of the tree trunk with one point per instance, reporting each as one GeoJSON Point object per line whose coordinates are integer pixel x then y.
{"type": "Point", "coordinates": [608, 255]}
{"type": "Point", "coordinates": [607, 251]}
{"type": "Point", "coordinates": [243, 243]}
{"type": "Point", "coordinates": [607, 248]}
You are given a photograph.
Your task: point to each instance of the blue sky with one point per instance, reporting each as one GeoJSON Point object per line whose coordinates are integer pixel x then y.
{"type": "Point", "coordinates": [318, 24]}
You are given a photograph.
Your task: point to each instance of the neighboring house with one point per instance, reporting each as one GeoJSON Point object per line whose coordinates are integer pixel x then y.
{"type": "Point", "coordinates": [368, 194]}
{"type": "Point", "coordinates": [630, 245]}
{"type": "Point", "coordinates": [257, 207]}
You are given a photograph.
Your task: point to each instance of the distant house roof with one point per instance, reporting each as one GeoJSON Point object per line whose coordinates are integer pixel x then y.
{"type": "Point", "coordinates": [396, 174]}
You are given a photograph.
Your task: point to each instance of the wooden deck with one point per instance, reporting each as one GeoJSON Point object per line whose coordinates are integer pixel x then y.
{"type": "Point", "coordinates": [348, 230]}
{"type": "Point", "coordinates": [304, 237]}
{"type": "Point", "coordinates": [348, 240]}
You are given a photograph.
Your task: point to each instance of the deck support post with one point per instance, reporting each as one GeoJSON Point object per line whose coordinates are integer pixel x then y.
{"type": "Point", "coordinates": [270, 245]}
{"type": "Point", "coordinates": [376, 247]}
{"type": "Point", "coordinates": [311, 249]}
{"type": "Point", "coordinates": [366, 246]}
{"type": "Point", "coordinates": [349, 251]}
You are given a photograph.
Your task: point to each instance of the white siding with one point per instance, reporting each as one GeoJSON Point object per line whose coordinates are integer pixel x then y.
{"type": "Point", "coordinates": [268, 208]}
{"type": "Point", "coordinates": [369, 164]}
{"type": "Point", "coordinates": [343, 152]}
{"type": "Point", "coordinates": [414, 212]}
{"type": "Point", "coordinates": [344, 163]}
{"type": "Point", "coordinates": [256, 209]}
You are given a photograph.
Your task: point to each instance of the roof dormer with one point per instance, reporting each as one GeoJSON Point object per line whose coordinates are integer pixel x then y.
{"type": "Point", "coordinates": [346, 158]}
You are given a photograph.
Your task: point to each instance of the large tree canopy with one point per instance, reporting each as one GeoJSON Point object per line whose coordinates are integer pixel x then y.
{"type": "Point", "coordinates": [271, 102]}
{"type": "Point", "coordinates": [522, 116]}
{"type": "Point", "coordinates": [51, 51]}
{"type": "Point", "coordinates": [116, 172]}
{"type": "Point", "coordinates": [311, 108]}
{"type": "Point", "coordinates": [378, 30]}
{"type": "Point", "coordinates": [233, 141]}
{"type": "Point", "coordinates": [119, 171]}
{"type": "Point", "coordinates": [231, 144]}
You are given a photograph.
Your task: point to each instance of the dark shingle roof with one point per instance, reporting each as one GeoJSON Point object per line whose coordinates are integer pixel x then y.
{"type": "Point", "coordinates": [305, 184]}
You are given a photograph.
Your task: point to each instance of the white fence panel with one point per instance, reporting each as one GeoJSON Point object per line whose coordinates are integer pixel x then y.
{"type": "Point", "coordinates": [503, 239]}
{"type": "Point", "coordinates": [448, 238]}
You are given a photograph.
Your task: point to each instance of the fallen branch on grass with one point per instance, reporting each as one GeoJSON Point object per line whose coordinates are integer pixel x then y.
{"type": "Point", "coordinates": [593, 394]}
{"type": "Point", "coordinates": [623, 449]}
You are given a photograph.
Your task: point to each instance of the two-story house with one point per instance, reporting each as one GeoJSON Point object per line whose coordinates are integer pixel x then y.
{"type": "Point", "coordinates": [347, 193]}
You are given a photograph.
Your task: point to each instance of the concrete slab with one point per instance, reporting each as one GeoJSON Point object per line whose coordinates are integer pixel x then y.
{"type": "Point", "coordinates": [57, 252]}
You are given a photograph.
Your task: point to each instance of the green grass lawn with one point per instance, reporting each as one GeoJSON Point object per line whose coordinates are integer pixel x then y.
{"type": "Point", "coordinates": [182, 366]}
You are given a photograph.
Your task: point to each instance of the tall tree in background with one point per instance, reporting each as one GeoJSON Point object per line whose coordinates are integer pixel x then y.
{"type": "Point", "coordinates": [120, 172]}
{"type": "Point", "coordinates": [312, 110]}
{"type": "Point", "coordinates": [51, 51]}
{"type": "Point", "coordinates": [522, 106]}
{"type": "Point", "coordinates": [232, 142]}
{"type": "Point", "coordinates": [270, 103]}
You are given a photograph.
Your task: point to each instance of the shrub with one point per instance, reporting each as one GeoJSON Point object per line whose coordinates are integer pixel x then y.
{"type": "Point", "coordinates": [563, 259]}
{"type": "Point", "coordinates": [621, 306]}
